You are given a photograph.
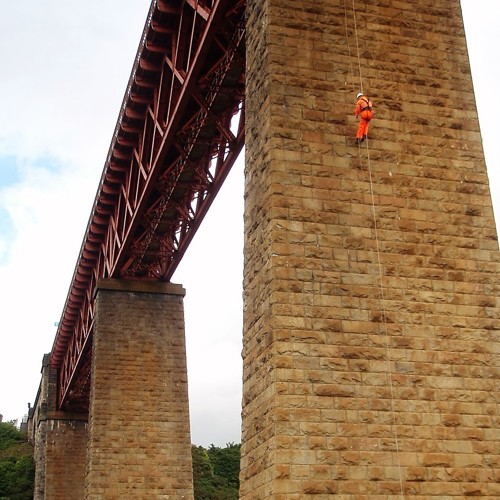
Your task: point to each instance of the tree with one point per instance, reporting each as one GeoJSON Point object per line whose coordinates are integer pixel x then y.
{"type": "Point", "coordinates": [17, 468]}
{"type": "Point", "coordinates": [216, 472]}
{"type": "Point", "coordinates": [9, 435]}
{"type": "Point", "coordinates": [226, 463]}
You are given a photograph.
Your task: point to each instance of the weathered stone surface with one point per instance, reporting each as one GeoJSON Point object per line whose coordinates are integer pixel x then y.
{"type": "Point", "coordinates": [60, 443]}
{"type": "Point", "coordinates": [139, 437]}
{"type": "Point", "coordinates": [372, 275]}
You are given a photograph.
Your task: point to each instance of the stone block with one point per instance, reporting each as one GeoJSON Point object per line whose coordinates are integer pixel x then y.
{"type": "Point", "coordinates": [139, 437]}
{"type": "Point", "coordinates": [374, 271]}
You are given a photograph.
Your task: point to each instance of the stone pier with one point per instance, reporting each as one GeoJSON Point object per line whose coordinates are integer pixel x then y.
{"type": "Point", "coordinates": [372, 275]}
{"type": "Point", "coordinates": [139, 437]}
{"type": "Point", "coordinates": [135, 441]}
{"type": "Point", "coordinates": [60, 443]}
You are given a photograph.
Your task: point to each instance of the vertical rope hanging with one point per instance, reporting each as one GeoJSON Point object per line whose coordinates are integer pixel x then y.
{"type": "Point", "coordinates": [378, 252]}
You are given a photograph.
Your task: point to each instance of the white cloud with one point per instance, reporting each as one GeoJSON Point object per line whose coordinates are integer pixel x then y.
{"type": "Point", "coordinates": [482, 38]}
{"type": "Point", "coordinates": [48, 219]}
{"type": "Point", "coordinates": [63, 63]}
{"type": "Point", "coordinates": [212, 273]}
{"type": "Point", "coordinates": [65, 70]}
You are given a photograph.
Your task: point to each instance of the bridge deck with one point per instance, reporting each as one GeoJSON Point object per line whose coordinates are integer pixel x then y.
{"type": "Point", "coordinates": [179, 131]}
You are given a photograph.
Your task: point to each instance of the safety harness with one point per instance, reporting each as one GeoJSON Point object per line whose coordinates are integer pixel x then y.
{"type": "Point", "coordinates": [368, 104]}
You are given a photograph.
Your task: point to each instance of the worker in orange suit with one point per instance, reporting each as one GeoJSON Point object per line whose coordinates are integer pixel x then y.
{"type": "Point", "coordinates": [363, 111]}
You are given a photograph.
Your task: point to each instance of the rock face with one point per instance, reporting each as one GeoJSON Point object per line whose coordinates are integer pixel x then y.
{"type": "Point", "coordinates": [372, 273]}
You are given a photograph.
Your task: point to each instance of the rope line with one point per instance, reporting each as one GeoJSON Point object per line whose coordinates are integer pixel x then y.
{"type": "Point", "coordinates": [378, 251]}
{"type": "Point", "coordinates": [348, 46]}
{"type": "Point", "coordinates": [384, 318]}
{"type": "Point", "coordinates": [357, 45]}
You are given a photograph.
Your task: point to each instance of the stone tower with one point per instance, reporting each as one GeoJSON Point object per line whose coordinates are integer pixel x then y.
{"type": "Point", "coordinates": [371, 276]}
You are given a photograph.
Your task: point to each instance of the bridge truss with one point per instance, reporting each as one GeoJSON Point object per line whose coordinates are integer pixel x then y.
{"type": "Point", "coordinates": [179, 131]}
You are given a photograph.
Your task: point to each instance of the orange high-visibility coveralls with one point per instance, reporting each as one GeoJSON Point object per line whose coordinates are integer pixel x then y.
{"type": "Point", "coordinates": [364, 110]}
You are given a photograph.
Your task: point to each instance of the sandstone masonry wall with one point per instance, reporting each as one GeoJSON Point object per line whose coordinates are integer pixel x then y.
{"type": "Point", "coordinates": [65, 455]}
{"type": "Point", "coordinates": [371, 281]}
{"type": "Point", "coordinates": [139, 437]}
{"type": "Point", "coordinates": [60, 444]}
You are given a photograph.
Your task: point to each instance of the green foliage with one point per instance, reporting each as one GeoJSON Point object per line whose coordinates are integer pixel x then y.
{"type": "Point", "coordinates": [17, 469]}
{"type": "Point", "coordinates": [9, 435]}
{"type": "Point", "coordinates": [226, 463]}
{"type": "Point", "coordinates": [216, 472]}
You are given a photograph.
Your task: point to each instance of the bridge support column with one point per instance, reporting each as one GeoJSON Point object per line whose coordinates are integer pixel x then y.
{"type": "Point", "coordinates": [372, 273]}
{"type": "Point", "coordinates": [60, 444]}
{"type": "Point", "coordinates": [139, 436]}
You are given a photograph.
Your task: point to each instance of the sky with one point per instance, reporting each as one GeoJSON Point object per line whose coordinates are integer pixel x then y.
{"type": "Point", "coordinates": [65, 69]}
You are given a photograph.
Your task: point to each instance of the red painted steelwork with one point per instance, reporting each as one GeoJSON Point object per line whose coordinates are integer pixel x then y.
{"type": "Point", "coordinates": [179, 131]}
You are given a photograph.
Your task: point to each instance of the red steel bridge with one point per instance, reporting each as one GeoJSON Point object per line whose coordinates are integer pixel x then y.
{"type": "Point", "coordinates": [179, 131]}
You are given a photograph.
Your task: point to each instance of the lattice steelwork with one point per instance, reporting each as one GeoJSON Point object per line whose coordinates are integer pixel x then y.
{"type": "Point", "coordinates": [179, 131]}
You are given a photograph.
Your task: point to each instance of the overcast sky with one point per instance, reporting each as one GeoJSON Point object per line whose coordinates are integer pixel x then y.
{"type": "Point", "coordinates": [65, 66]}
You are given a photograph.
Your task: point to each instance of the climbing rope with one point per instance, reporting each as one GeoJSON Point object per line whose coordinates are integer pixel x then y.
{"type": "Point", "coordinates": [377, 241]}
{"type": "Point", "coordinates": [348, 47]}
{"type": "Point", "coordinates": [357, 45]}
{"type": "Point", "coordinates": [384, 317]}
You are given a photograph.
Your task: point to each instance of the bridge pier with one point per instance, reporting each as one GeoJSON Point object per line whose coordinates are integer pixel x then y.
{"type": "Point", "coordinates": [371, 308]}
{"type": "Point", "coordinates": [135, 442]}
{"type": "Point", "coordinates": [139, 436]}
{"type": "Point", "coordinates": [60, 440]}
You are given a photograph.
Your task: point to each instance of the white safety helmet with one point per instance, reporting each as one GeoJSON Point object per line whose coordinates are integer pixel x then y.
{"type": "Point", "coordinates": [359, 95]}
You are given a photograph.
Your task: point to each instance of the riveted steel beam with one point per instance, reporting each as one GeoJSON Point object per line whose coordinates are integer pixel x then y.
{"type": "Point", "coordinates": [172, 148]}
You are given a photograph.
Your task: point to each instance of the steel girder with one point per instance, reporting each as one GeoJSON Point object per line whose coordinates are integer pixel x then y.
{"type": "Point", "coordinates": [179, 131]}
